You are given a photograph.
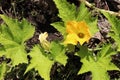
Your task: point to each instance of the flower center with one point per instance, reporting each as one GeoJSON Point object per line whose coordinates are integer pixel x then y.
{"type": "Point", "coordinates": [81, 35]}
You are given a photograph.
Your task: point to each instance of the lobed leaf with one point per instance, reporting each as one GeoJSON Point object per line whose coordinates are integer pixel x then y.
{"type": "Point", "coordinates": [18, 31]}
{"type": "Point", "coordinates": [13, 34]}
{"type": "Point", "coordinates": [85, 14]}
{"type": "Point", "coordinates": [115, 27]}
{"type": "Point", "coordinates": [17, 55]}
{"type": "Point", "coordinates": [82, 12]}
{"type": "Point", "coordinates": [66, 10]}
{"type": "Point", "coordinates": [58, 52]}
{"type": "Point", "coordinates": [27, 30]}
{"type": "Point", "coordinates": [40, 63]}
{"type": "Point", "coordinates": [60, 27]}
{"type": "Point", "coordinates": [13, 28]}
{"type": "Point", "coordinates": [92, 23]}
{"type": "Point", "coordinates": [99, 66]}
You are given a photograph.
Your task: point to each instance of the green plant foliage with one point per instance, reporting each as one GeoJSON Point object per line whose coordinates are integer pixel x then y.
{"type": "Point", "coordinates": [2, 50]}
{"type": "Point", "coordinates": [20, 31]}
{"type": "Point", "coordinates": [2, 70]}
{"type": "Point", "coordinates": [13, 35]}
{"type": "Point", "coordinates": [59, 26]}
{"type": "Point", "coordinates": [99, 64]}
{"type": "Point", "coordinates": [69, 12]}
{"type": "Point", "coordinates": [115, 28]}
{"type": "Point", "coordinates": [58, 52]}
{"type": "Point", "coordinates": [43, 62]}
{"type": "Point", "coordinates": [92, 23]}
{"type": "Point", "coordinates": [40, 63]}
{"type": "Point", "coordinates": [84, 14]}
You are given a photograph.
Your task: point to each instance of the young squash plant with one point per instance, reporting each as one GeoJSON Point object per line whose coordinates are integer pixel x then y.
{"type": "Point", "coordinates": [13, 34]}
{"type": "Point", "coordinates": [69, 12]}
{"type": "Point", "coordinates": [98, 64]}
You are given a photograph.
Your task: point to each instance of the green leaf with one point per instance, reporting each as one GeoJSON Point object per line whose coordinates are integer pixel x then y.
{"type": "Point", "coordinates": [67, 11]}
{"type": "Point", "coordinates": [13, 27]}
{"type": "Point", "coordinates": [18, 31]}
{"type": "Point", "coordinates": [83, 49]}
{"type": "Point", "coordinates": [60, 27]}
{"type": "Point", "coordinates": [17, 55]}
{"type": "Point", "coordinates": [13, 34]}
{"type": "Point", "coordinates": [2, 70]}
{"type": "Point", "coordinates": [104, 51]}
{"type": "Point", "coordinates": [7, 43]}
{"type": "Point", "coordinates": [27, 30]}
{"type": "Point", "coordinates": [92, 23]}
{"type": "Point", "coordinates": [99, 66]}
{"type": "Point", "coordinates": [5, 31]}
{"type": "Point", "coordinates": [115, 27]}
{"type": "Point", "coordinates": [13, 51]}
{"type": "Point", "coordinates": [58, 52]}
{"type": "Point", "coordinates": [40, 63]}
{"type": "Point", "coordinates": [83, 12]}
{"type": "Point", "coordinates": [114, 22]}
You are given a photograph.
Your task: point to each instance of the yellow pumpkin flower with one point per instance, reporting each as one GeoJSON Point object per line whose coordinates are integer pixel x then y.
{"type": "Point", "coordinates": [77, 32]}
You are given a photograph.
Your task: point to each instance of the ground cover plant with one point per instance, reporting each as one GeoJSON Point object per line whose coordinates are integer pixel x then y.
{"type": "Point", "coordinates": [50, 59]}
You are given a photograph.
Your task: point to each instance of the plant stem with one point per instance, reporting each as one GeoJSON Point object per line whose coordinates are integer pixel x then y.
{"type": "Point", "coordinates": [98, 9]}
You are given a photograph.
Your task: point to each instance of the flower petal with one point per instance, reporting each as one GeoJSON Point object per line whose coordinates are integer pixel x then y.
{"type": "Point", "coordinates": [43, 40]}
{"type": "Point", "coordinates": [71, 27]}
{"type": "Point", "coordinates": [43, 36]}
{"type": "Point", "coordinates": [71, 39]}
{"type": "Point", "coordinates": [85, 39]}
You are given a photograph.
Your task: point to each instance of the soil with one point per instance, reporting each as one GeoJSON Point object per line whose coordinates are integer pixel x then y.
{"type": "Point", "coordinates": [41, 13]}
